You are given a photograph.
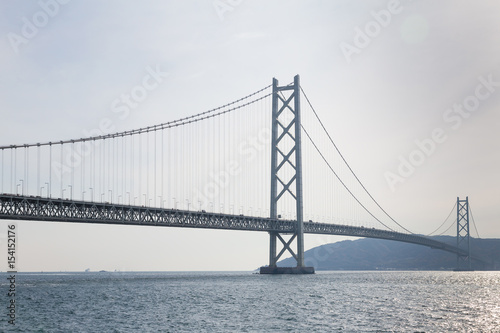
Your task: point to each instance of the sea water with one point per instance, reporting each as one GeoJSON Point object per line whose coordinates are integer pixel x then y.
{"type": "Point", "coordinates": [247, 302]}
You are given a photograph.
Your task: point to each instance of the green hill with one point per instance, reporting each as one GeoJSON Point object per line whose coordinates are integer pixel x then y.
{"type": "Point", "coordinates": [379, 254]}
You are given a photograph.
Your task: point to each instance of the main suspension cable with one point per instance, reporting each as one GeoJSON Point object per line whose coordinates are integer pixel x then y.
{"type": "Point", "coordinates": [451, 225]}
{"type": "Point", "coordinates": [444, 220]}
{"type": "Point", "coordinates": [340, 180]}
{"type": "Point", "coordinates": [175, 123]}
{"type": "Point", "coordinates": [347, 164]}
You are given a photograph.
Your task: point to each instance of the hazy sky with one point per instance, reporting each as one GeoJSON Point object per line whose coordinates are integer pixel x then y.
{"type": "Point", "coordinates": [383, 75]}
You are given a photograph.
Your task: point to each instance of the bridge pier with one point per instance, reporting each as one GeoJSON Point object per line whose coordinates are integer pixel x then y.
{"type": "Point", "coordinates": [286, 270]}
{"type": "Point", "coordinates": [272, 248]}
{"type": "Point", "coordinates": [286, 145]}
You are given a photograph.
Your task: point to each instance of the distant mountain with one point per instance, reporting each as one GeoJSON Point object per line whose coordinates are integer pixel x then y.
{"type": "Point", "coordinates": [373, 254]}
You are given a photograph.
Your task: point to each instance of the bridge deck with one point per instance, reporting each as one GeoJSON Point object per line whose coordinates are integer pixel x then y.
{"type": "Point", "coordinates": [15, 207]}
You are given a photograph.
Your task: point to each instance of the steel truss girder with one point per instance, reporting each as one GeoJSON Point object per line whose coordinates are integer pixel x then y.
{"type": "Point", "coordinates": [15, 207]}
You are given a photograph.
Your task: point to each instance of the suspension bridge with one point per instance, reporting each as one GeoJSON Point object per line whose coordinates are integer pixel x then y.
{"type": "Point", "coordinates": [241, 166]}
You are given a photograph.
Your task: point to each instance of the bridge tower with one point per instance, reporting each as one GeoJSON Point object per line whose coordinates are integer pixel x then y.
{"type": "Point", "coordinates": [463, 235]}
{"type": "Point", "coordinates": [286, 174]}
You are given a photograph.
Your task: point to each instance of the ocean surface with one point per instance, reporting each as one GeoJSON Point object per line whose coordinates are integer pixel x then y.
{"type": "Point", "coordinates": [246, 302]}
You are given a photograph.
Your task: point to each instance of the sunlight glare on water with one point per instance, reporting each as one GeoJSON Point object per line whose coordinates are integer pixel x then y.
{"type": "Point", "coordinates": [246, 302]}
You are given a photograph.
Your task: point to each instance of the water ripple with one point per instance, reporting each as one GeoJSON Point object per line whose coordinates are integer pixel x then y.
{"type": "Point", "coordinates": [244, 302]}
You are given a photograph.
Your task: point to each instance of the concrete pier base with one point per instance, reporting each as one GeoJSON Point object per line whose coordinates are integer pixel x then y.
{"type": "Point", "coordinates": [286, 270]}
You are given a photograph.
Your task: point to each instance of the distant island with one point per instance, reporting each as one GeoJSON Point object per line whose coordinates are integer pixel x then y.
{"type": "Point", "coordinates": [101, 271]}
{"type": "Point", "coordinates": [379, 254]}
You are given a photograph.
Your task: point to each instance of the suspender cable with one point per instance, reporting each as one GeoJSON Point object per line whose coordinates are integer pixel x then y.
{"type": "Point", "coordinates": [124, 169]}
{"type": "Point", "coordinates": [84, 170]}
{"type": "Point", "coordinates": [72, 165]}
{"type": "Point", "coordinates": [3, 167]}
{"type": "Point", "coordinates": [61, 173]}
{"type": "Point", "coordinates": [162, 167]}
{"type": "Point", "coordinates": [49, 190]}
{"type": "Point", "coordinates": [147, 169]}
{"type": "Point", "coordinates": [132, 170]}
{"type": "Point", "coordinates": [155, 170]}
{"type": "Point", "coordinates": [92, 175]}
{"type": "Point", "coordinates": [101, 170]}
{"type": "Point", "coordinates": [38, 188]}
{"type": "Point", "coordinates": [26, 169]}
{"type": "Point", "coordinates": [15, 167]}
{"type": "Point", "coordinates": [140, 169]}
{"type": "Point", "coordinates": [115, 183]}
